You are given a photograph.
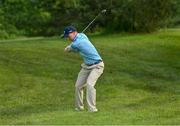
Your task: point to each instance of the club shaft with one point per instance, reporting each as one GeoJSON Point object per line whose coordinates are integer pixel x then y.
{"type": "Point", "coordinates": [90, 23]}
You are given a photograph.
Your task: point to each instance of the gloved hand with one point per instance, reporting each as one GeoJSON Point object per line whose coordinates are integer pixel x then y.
{"type": "Point", "coordinates": [68, 48]}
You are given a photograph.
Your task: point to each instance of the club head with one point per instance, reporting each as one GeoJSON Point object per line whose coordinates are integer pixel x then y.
{"type": "Point", "coordinates": [103, 11]}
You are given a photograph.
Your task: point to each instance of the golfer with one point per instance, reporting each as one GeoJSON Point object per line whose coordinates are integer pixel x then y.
{"type": "Point", "coordinates": [92, 68]}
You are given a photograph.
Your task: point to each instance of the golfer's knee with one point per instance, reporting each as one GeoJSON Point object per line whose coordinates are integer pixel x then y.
{"type": "Point", "coordinates": [90, 86]}
{"type": "Point", "coordinates": [78, 86]}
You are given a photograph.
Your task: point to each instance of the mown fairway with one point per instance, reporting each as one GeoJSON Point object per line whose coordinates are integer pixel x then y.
{"type": "Point", "coordinates": [140, 85]}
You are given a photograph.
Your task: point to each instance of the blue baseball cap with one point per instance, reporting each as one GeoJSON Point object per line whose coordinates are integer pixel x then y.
{"type": "Point", "coordinates": [67, 30]}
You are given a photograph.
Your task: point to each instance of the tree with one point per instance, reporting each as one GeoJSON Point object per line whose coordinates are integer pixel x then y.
{"type": "Point", "coordinates": [49, 17]}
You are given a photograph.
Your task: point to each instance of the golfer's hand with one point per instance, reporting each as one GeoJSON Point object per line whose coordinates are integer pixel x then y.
{"type": "Point", "coordinates": [68, 48]}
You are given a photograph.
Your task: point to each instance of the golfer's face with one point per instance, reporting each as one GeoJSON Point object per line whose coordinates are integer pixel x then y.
{"type": "Point", "coordinates": [72, 35]}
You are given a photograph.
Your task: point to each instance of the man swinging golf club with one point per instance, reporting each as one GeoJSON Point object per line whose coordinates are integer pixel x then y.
{"type": "Point", "coordinates": [92, 68]}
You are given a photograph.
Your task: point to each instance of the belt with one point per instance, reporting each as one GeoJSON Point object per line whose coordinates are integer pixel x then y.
{"type": "Point", "coordinates": [94, 63]}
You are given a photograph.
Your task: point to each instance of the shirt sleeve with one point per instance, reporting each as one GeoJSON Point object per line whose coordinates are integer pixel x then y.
{"type": "Point", "coordinates": [74, 47]}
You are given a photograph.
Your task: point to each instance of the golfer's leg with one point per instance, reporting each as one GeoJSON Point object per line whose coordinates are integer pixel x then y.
{"type": "Point", "coordinates": [80, 83]}
{"type": "Point", "coordinates": [91, 91]}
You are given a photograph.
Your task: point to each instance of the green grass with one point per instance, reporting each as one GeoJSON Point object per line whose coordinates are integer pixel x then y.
{"type": "Point", "coordinates": [140, 84]}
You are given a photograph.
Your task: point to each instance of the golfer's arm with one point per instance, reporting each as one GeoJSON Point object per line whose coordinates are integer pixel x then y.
{"type": "Point", "coordinates": [74, 47]}
{"type": "Point", "coordinates": [73, 50]}
{"type": "Point", "coordinates": [70, 49]}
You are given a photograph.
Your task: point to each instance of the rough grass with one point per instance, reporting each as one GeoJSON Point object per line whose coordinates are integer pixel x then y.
{"type": "Point", "coordinates": [140, 85]}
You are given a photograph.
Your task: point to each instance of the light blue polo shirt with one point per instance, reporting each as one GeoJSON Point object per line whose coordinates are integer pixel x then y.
{"type": "Point", "coordinates": [86, 49]}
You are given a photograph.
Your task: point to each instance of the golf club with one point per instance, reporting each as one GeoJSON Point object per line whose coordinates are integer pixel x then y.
{"type": "Point", "coordinates": [102, 12]}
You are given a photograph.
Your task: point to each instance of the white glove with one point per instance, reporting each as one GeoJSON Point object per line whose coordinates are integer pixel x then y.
{"type": "Point", "coordinates": [68, 48]}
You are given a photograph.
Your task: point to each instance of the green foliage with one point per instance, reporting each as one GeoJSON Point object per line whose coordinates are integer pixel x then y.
{"type": "Point", "coordinates": [6, 30]}
{"type": "Point", "coordinates": [130, 15]}
{"type": "Point", "coordinates": [49, 17]}
{"type": "Point", "coordinates": [176, 18]}
{"type": "Point", "coordinates": [140, 15]}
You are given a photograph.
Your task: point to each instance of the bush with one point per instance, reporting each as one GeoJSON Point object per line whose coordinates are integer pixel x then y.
{"type": "Point", "coordinates": [3, 34]}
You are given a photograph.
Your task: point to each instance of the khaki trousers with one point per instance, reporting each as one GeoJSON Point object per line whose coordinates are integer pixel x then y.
{"type": "Point", "coordinates": [87, 77]}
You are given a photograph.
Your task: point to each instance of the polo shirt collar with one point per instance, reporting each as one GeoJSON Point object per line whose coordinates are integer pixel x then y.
{"type": "Point", "coordinates": [75, 38]}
